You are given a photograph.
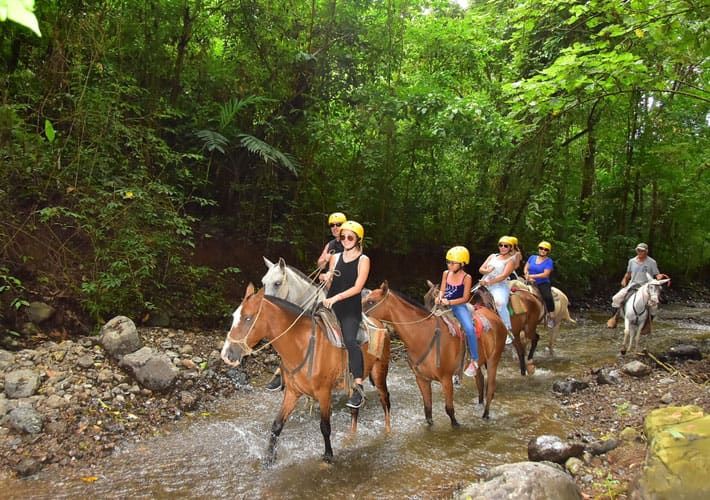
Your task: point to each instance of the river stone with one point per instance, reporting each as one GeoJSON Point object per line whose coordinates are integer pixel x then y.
{"type": "Point", "coordinates": [27, 467]}
{"type": "Point", "coordinates": [119, 337]}
{"type": "Point", "coordinates": [636, 369]}
{"type": "Point", "coordinates": [569, 386]}
{"type": "Point", "coordinates": [679, 454]}
{"type": "Point", "coordinates": [25, 419]}
{"type": "Point", "coordinates": [667, 398]}
{"type": "Point", "coordinates": [21, 383]}
{"type": "Point", "coordinates": [6, 359]}
{"type": "Point", "coordinates": [529, 480]}
{"type": "Point", "coordinates": [601, 447]}
{"type": "Point", "coordinates": [4, 406]}
{"type": "Point", "coordinates": [152, 370]}
{"type": "Point", "coordinates": [548, 448]}
{"type": "Point", "coordinates": [573, 465]}
{"type": "Point", "coordinates": [85, 361]}
{"type": "Point", "coordinates": [628, 434]}
{"type": "Point", "coordinates": [685, 351]}
{"type": "Point", "coordinates": [38, 312]}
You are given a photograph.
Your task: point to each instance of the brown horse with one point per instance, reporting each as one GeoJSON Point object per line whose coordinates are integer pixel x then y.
{"type": "Point", "coordinates": [525, 322]}
{"type": "Point", "coordinates": [432, 352]}
{"type": "Point", "coordinates": [311, 365]}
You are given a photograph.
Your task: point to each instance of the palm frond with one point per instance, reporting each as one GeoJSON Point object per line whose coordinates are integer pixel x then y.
{"type": "Point", "coordinates": [212, 140]}
{"type": "Point", "coordinates": [268, 153]}
{"type": "Point", "coordinates": [230, 109]}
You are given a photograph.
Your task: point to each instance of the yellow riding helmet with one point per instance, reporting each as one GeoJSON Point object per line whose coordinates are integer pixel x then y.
{"type": "Point", "coordinates": [355, 227]}
{"type": "Point", "coordinates": [458, 254]}
{"type": "Point", "coordinates": [337, 217]}
{"type": "Point", "coordinates": [545, 244]}
{"type": "Point", "coordinates": [508, 240]}
{"type": "Point", "coordinates": [514, 240]}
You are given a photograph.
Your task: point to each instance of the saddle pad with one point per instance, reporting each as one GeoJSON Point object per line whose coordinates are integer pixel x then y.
{"type": "Point", "coordinates": [516, 306]}
{"type": "Point", "coordinates": [481, 324]}
{"type": "Point", "coordinates": [331, 326]}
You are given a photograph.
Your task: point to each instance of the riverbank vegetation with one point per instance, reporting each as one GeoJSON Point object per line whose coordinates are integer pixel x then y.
{"type": "Point", "coordinates": [133, 132]}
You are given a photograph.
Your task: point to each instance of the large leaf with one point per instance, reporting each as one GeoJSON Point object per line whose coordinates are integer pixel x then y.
{"type": "Point", "coordinates": [268, 153]}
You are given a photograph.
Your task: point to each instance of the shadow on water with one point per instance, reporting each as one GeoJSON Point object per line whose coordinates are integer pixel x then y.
{"type": "Point", "coordinates": [219, 456]}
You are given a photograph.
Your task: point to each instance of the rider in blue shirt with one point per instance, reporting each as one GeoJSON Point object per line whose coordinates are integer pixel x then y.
{"type": "Point", "coordinates": [539, 268]}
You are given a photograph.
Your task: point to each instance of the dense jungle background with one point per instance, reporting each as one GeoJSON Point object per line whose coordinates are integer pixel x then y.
{"type": "Point", "coordinates": [152, 151]}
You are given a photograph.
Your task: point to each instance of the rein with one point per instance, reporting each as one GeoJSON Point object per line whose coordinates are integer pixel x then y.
{"type": "Point", "coordinates": [393, 323]}
{"type": "Point", "coordinates": [645, 298]}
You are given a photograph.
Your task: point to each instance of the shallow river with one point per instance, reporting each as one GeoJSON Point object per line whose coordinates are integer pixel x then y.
{"type": "Point", "coordinates": [219, 455]}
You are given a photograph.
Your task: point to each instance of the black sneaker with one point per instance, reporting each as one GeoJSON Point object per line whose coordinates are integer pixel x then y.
{"type": "Point", "coordinates": [357, 399]}
{"type": "Point", "coordinates": [275, 384]}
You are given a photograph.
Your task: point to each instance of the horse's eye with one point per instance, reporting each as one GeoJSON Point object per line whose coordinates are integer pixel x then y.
{"type": "Point", "coordinates": [278, 283]}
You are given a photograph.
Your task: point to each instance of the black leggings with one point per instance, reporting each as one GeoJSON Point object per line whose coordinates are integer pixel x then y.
{"type": "Point", "coordinates": [350, 324]}
{"type": "Point", "coordinates": [546, 292]}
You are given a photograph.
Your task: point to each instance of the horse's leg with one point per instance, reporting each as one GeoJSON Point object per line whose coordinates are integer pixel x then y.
{"type": "Point", "coordinates": [520, 349]}
{"type": "Point", "coordinates": [491, 371]}
{"type": "Point", "coordinates": [626, 337]}
{"type": "Point", "coordinates": [425, 389]}
{"type": "Point", "coordinates": [554, 332]}
{"type": "Point", "coordinates": [447, 386]}
{"type": "Point", "coordinates": [481, 382]}
{"type": "Point", "coordinates": [378, 376]}
{"type": "Point", "coordinates": [287, 406]}
{"type": "Point", "coordinates": [323, 396]}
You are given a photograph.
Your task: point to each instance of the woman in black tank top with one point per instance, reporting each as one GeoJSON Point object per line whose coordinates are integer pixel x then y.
{"type": "Point", "coordinates": [349, 271]}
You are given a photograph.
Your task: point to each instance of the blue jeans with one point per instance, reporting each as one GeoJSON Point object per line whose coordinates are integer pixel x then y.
{"type": "Point", "coordinates": [463, 314]}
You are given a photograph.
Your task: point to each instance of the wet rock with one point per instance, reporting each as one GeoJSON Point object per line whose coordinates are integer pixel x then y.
{"type": "Point", "coordinates": [636, 369]}
{"type": "Point", "coordinates": [532, 481]}
{"type": "Point", "coordinates": [120, 337]}
{"type": "Point", "coordinates": [152, 370]}
{"type": "Point", "coordinates": [186, 349]}
{"type": "Point", "coordinates": [39, 312]}
{"type": "Point", "coordinates": [21, 383]}
{"type": "Point", "coordinates": [667, 398]}
{"type": "Point", "coordinates": [6, 359]}
{"type": "Point", "coordinates": [569, 386]}
{"type": "Point", "coordinates": [27, 467]}
{"type": "Point", "coordinates": [25, 419]}
{"type": "Point", "coordinates": [608, 377]}
{"type": "Point", "coordinates": [188, 364]}
{"type": "Point", "coordinates": [552, 449]}
{"type": "Point", "coordinates": [684, 351]}
{"type": "Point", "coordinates": [238, 376]}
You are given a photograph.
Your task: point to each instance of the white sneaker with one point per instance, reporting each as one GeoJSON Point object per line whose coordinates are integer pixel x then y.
{"type": "Point", "coordinates": [471, 369]}
{"type": "Point", "coordinates": [550, 323]}
{"type": "Point", "coordinates": [509, 339]}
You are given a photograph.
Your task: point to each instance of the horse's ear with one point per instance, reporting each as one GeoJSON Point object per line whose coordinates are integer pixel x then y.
{"type": "Point", "coordinates": [250, 290]}
{"type": "Point", "coordinates": [385, 286]}
{"type": "Point", "coordinates": [268, 263]}
{"type": "Point", "coordinates": [282, 263]}
{"type": "Point", "coordinates": [430, 284]}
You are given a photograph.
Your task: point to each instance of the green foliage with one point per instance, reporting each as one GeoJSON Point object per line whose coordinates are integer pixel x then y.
{"type": "Point", "coordinates": [21, 12]}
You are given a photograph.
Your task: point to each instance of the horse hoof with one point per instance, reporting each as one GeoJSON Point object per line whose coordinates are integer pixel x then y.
{"type": "Point", "coordinates": [485, 416]}
{"type": "Point", "coordinates": [429, 422]}
{"type": "Point", "coordinates": [327, 459]}
{"type": "Point", "coordinates": [455, 424]}
{"type": "Point", "coordinates": [531, 369]}
{"type": "Point", "coordinates": [267, 463]}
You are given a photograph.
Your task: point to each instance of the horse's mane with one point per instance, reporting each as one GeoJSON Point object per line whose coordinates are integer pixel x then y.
{"type": "Point", "coordinates": [299, 273]}
{"type": "Point", "coordinates": [410, 301]}
{"type": "Point", "coordinates": [285, 304]}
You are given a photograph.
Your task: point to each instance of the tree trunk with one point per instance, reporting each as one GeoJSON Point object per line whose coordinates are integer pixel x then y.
{"type": "Point", "coordinates": [185, 36]}
{"type": "Point", "coordinates": [588, 172]}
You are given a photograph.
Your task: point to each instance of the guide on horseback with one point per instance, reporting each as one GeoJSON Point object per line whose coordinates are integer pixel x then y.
{"type": "Point", "coordinates": [496, 269]}
{"type": "Point", "coordinates": [639, 271]}
{"type": "Point", "coordinates": [347, 276]}
{"type": "Point", "coordinates": [335, 221]}
{"type": "Point", "coordinates": [538, 268]}
{"type": "Point", "coordinates": [455, 292]}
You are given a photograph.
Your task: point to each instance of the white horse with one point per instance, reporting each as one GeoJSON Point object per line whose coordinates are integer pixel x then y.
{"type": "Point", "coordinates": [288, 283]}
{"type": "Point", "coordinates": [560, 314]}
{"type": "Point", "coordinates": [639, 307]}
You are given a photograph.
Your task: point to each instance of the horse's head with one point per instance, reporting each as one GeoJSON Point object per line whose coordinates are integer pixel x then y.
{"type": "Point", "coordinates": [654, 291]}
{"type": "Point", "coordinates": [275, 280]}
{"type": "Point", "coordinates": [375, 298]}
{"type": "Point", "coordinates": [430, 295]}
{"type": "Point", "coordinates": [241, 337]}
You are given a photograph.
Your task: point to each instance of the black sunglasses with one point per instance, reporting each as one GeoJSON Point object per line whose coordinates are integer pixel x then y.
{"type": "Point", "coordinates": [503, 245]}
{"type": "Point", "coordinates": [543, 248]}
{"type": "Point", "coordinates": [449, 262]}
{"type": "Point", "coordinates": [336, 224]}
{"type": "Point", "coordinates": [348, 237]}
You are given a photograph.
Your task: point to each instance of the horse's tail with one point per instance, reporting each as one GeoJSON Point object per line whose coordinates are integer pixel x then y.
{"type": "Point", "coordinates": [482, 297]}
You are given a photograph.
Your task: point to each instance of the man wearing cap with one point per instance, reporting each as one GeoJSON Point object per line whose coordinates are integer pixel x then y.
{"type": "Point", "coordinates": [637, 273]}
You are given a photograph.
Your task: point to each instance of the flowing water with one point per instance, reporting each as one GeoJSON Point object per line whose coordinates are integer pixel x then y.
{"type": "Point", "coordinates": [219, 455]}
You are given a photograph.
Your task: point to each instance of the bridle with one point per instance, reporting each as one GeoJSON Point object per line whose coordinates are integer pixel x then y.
{"type": "Point", "coordinates": [394, 323]}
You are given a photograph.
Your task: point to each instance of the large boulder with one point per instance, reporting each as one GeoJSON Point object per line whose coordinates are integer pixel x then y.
{"type": "Point", "coordinates": [552, 449]}
{"type": "Point", "coordinates": [152, 370]}
{"type": "Point", "coordinates": [528, 480]}
{"type": "Point", "coordinates": [39, 312]}
{"type": "Point", "coordinates": [120, 337]}
{"type": "Point", "coordinates": [21, 383]}
{"type": "Point", "coordinates": [679, 454]}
